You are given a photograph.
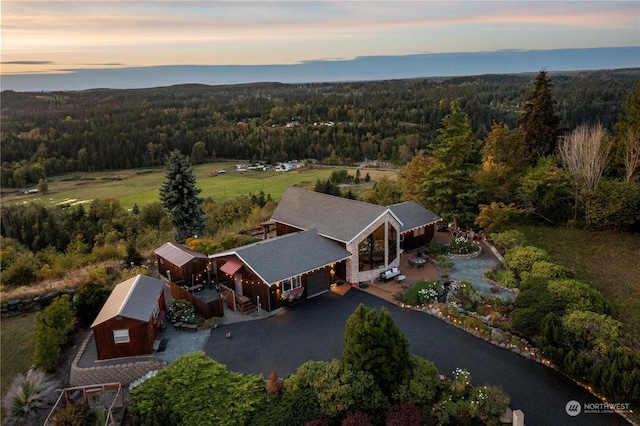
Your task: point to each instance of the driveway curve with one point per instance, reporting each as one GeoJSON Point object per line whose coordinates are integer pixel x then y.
{"type": "Point", "coordinates": [314, 330]}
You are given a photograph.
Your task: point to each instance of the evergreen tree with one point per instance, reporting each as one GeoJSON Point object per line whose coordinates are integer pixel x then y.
{"type": "Point", "coordinates": [539, 123]}
{"type": "Point", "coordinates": [179, 197]}
{"type": "Point", "coordinates": [373, 343]}
{"type": "Point", "coordinates": [448, 187]}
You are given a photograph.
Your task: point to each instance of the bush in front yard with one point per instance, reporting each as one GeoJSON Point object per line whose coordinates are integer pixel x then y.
{"type": "Point", "coordinates": [423, 292]}
{"type": "Point", "coordinates": [181, 311]}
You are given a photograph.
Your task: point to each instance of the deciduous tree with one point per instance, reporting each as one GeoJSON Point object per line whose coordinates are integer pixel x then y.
{"type": "Point", "coordinates": [584, 155]}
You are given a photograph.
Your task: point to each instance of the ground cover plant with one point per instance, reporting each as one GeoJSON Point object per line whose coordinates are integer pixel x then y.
{"type": "Point", "coordinates": [607, 260]}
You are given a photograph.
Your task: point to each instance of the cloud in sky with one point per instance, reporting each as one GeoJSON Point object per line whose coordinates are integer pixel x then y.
{"type": "Point", "coordinates": [43, 35]}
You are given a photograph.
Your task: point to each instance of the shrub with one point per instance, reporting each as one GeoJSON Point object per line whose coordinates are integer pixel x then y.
{"type": "Point", "coordinates": [423, 292]}
{"type": "Point", "coordinates": [506, 278]}
{"type": "Point", "coordinates": [181, 310]}
{"type": "Point", "coordinates": [521, 258]}
{"type": "Point", "coordinates": [76, 413]}
{"type": "Point", "coordinates": [22, 271]}
{"type": "Point", "coordinates": [178, 393]}
{"type": "Point", "coordinates": [274, 383]}
{"type": "Point", "coordinates": [496, 216]}
{"type": "Point", "coordinates": [53, 326]}
{"type": "Point", "coordinates": [430, 292]}
{"type": "Point", "coordinates": [435, 248]}
{"type": "Point", "coordinates": [578, 295]}
{"type": "Point", "coordinates": [546, 269]}
{"type": "Point", "coordinates": [357, 418]}
{"type": "Point", "coordinates": [27, 395]}
{"type": "Point", "coordinates": [508, 239]}
{"type": "Point", "coordinates": [407, 414]}
{"type": "Point", "coordinates": [490, 402]}
{"type": "Point", "coordinates": [89, 302]}
{"type": "Point", "coordinates": [339, 388]}
{"type": "Point", "coordinates": [460, 245]}
{"type": "Point", "coordinates": [421, 386]}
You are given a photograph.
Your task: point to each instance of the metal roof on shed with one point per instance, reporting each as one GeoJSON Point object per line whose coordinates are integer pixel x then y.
{"type": "Point", "coordinates": [178, 254]}
{"type": "Point", "coordinates": [134, 298]}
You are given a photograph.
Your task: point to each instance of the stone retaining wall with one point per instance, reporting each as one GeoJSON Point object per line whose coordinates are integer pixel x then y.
{"type": "Point", "coordinates": [124, 373]}
{"type": "Point", "coordinates": [38, 303]}
{"type": "Point", "coordinates": [466, 256]}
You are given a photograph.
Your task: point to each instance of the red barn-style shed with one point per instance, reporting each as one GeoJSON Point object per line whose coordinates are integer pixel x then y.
{"type": "Point", "coordinates": [128, 323]}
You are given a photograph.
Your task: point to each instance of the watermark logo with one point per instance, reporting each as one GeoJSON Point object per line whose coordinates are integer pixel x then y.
{"type": "Point", "coordinates": [573, 408]}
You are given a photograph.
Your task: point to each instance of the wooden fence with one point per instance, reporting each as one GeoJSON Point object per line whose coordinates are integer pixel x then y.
{"type": "Point", "coordinates": [205, 309]}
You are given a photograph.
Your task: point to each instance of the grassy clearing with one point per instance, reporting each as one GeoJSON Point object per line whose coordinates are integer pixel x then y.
{"type": "Point", "coordinates": [17, 346]}
{"type": "Point", "coordinates": [141, 186]}
{"type": "Point", "coordinates": [609, 261]}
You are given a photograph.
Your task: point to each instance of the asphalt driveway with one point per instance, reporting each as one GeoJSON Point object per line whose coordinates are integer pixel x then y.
{"type": "Point", "coordinates": [314, 330]}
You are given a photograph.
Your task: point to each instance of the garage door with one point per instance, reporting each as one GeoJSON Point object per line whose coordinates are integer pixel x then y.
{"type": "Point", "coordinates": [317, 283]}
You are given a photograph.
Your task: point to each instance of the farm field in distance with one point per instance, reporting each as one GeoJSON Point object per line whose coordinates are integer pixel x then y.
{"type": "Point", "coordinates": [140, 186]}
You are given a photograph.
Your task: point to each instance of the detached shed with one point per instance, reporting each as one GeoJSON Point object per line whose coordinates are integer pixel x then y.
{"type": "Point", "coordinates": [128, 323]}
{"type": "Point", "coordinates": [183, 266]}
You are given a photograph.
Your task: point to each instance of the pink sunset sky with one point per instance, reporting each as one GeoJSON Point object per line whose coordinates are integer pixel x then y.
{"type": "Point", "coordinates": [56, 36]}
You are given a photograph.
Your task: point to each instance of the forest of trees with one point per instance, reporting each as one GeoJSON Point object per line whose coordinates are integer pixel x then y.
{"type": "Point", "coordinates": [44, 134]}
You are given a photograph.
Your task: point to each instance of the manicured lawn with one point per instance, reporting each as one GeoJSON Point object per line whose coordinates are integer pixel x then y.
{"type": "Point", "coordinates": [141, 186]}
{"type": "Point", "coordinates": [609, 261]}
{"type": "Point", "coordinates": [16, 347]}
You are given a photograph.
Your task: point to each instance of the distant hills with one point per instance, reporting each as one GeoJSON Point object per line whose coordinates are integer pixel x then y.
{"type": "Point", "coordinates": [365, 68]}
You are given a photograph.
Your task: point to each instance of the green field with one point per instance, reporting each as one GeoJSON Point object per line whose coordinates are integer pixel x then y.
{"type": "Point", "coordinates": [141, 186]}
{"type": "Point", "coordinates": [17, 345]}
{"type": "Point", "coordinates": [607, 260]}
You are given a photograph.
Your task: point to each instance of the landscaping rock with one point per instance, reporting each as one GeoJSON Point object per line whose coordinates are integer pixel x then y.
{"type": "Point", "coordinates": [497, 336]}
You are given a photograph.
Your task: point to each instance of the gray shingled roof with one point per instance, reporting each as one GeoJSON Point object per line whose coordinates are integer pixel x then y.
{"type": "Point", "coordinates": [281, 258]}
{"type": "Point", "coordinates": [178, 254]}
{"type": "Point", "coordinates": [413, 215]}
{"type": "Point", "coordinates": [335, 217]}
{"type": "Point", "coordinates": [134, 298]}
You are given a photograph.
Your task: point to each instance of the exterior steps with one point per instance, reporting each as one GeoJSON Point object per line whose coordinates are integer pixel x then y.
{"type": "Point", "coordinates": [246, 307]}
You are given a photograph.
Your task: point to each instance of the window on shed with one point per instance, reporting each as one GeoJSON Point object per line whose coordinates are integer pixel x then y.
{"type": "Point", "coordinates": [121, 336]}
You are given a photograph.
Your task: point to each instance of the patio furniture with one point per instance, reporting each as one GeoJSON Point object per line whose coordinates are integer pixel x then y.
{"type": "Point", "coordinates": [418, 262]}
{"type": "Point", "coordinates": [389, 274]}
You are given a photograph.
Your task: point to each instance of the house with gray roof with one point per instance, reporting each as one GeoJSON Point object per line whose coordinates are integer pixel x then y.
{"type": "Point", "coordinates": [128, 323]}
{"type": "Point", "coordinates": [374, 235]}
{"type": "Point", "coordinates": [278, 271]}
{"type": "Point", "coordinates": [321, 240]}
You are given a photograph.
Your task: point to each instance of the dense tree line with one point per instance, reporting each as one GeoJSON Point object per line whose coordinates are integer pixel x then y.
{"type": "Point", "coordinates": [44, 134]}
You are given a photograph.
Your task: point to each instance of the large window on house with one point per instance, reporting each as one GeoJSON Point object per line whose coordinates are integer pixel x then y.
{"type": "Point", "coordinates": [292, 283]}
{"type": "Point", "coordinates": [393, 246]}
{"type": "Point", "coordinates": [121, 336]}
{"type": "Point", "coordinates": [371, 250]}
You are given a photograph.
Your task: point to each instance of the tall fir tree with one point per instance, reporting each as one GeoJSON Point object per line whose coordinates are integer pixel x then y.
{"type": "Point", "coordinates": [373, 343]}
{"type": "Point", "coordinates": [179, 197]}
{"type": "Point", "coordinates": [539, 125]}
{"type": "Point", "coordinates": [448, 187]}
